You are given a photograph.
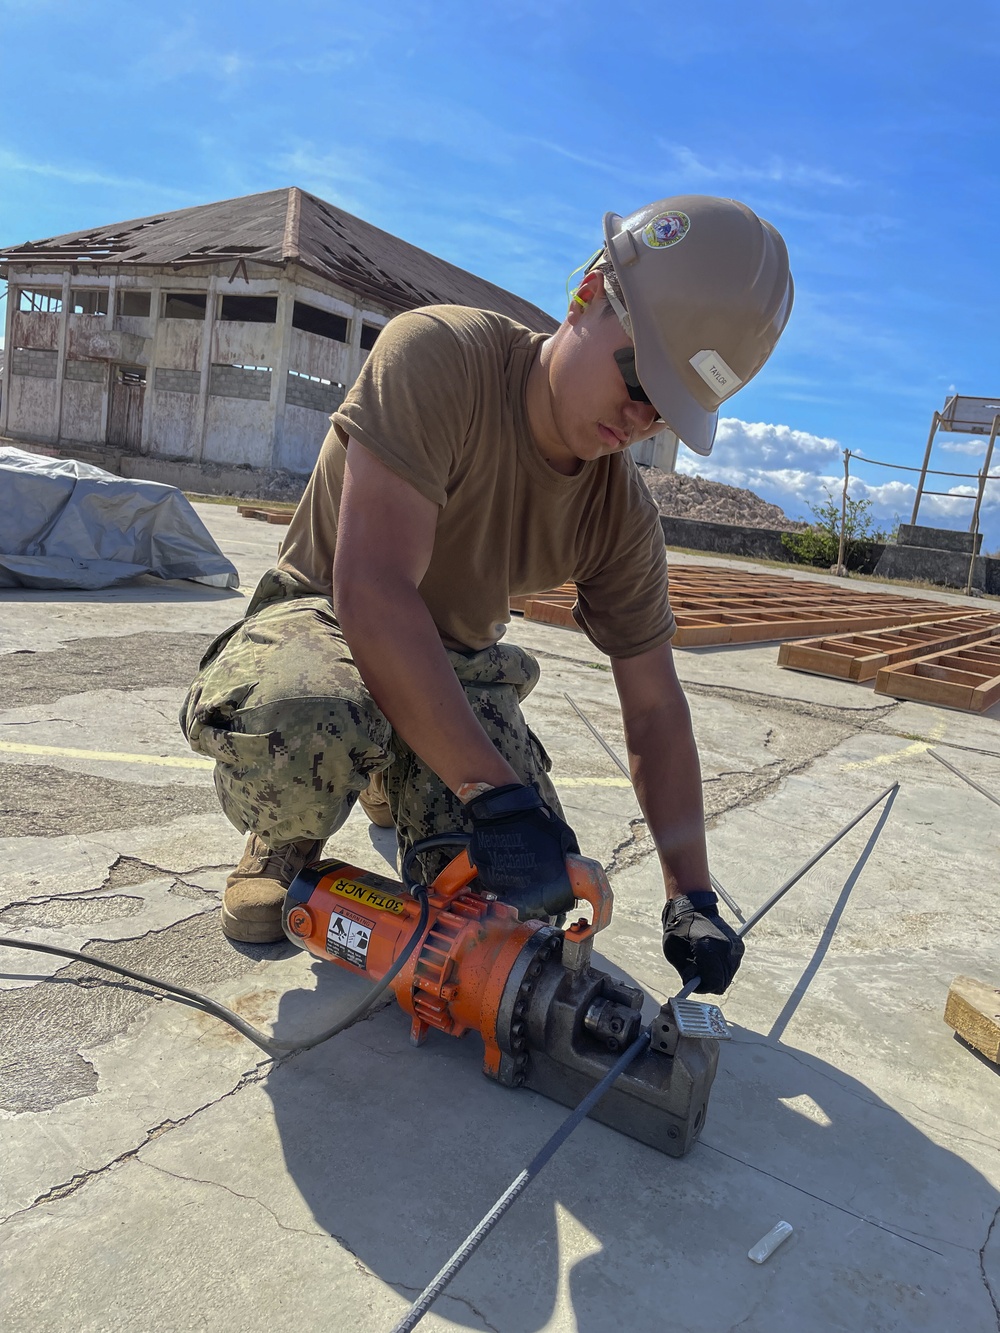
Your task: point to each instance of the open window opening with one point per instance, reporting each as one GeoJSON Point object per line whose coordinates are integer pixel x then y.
{"type": "Point", "coordinates": [89, 301]}
{"type": "Point", "coordinates": [184, 305]}
{"type": "Point", "coordinates": [369, 332]}
{"type": "Point", "coordinates": [40, 300]}
{"type": "Point", "coordinates": [250, 309]}
{"type": "Point", "coordinates": [134, 304]}
{"type": "Point", "coordinates": [310, 319]}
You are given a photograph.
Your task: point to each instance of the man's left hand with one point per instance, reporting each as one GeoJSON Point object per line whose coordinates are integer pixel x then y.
{"type": "Point", "coordinates": [699, 943]}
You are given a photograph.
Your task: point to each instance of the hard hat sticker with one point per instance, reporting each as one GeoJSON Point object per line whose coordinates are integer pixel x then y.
{"type": "Point", "coordinates": [716, 374]}
{"type": "Point", "coordinates": [666, 229]}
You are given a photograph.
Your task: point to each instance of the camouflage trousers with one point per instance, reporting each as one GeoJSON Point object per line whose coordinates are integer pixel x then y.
{"type": "Point", "coordinates": [280, 706]}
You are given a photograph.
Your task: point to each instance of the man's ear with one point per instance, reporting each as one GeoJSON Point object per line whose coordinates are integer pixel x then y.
{"type": "Point", "coordinates": [589, 290]}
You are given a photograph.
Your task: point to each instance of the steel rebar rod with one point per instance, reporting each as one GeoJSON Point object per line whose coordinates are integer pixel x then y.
{"type": "Point", "coordinates": [521, 1181]}
{"type": "Point", "coordinates": [965, 777]}
{"type": "Point", "coordinates": [727, 898]}
{"type": "Point", "coordinates": [832, 842]}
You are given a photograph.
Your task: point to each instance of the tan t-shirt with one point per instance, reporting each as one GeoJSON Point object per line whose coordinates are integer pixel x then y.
{"type": "Point", "coordinates": [441, 401]}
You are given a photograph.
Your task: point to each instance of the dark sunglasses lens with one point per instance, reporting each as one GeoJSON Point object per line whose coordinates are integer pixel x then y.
{"type": "Point", "coordinates": [625, 357]}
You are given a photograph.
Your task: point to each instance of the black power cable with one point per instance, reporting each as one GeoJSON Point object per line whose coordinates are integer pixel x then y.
{"type": "Point", "coordinates": [210, 1006]}
{"type": "Point", "coordinates": [269, 1044]}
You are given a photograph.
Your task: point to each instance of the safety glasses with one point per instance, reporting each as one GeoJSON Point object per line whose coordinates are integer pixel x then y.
{"type": "Point", "coordinates": [625, 356]}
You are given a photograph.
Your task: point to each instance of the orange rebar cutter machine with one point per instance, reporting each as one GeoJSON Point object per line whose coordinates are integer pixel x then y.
{"type": "Point", "coordinates": [549, 1020]}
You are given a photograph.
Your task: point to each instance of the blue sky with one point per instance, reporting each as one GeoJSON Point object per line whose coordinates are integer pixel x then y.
{"type": "Point", "coordinates": [498, 135]}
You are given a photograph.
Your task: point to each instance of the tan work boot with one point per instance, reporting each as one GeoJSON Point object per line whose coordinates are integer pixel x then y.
{"type": "Point", "coordinates": [374, 803]}
{"type": "Point", "coordinates": [255, 891]}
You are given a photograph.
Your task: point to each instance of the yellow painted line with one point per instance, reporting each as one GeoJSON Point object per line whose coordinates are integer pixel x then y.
{"type": "Point", "coordinates": [193, 761]}
{"type": "Point", "coordinates": [908, 752]}
{"type": "Point", "coordinates": [106, 756]}
{"type": "Point", "coordinates": [880, 760]}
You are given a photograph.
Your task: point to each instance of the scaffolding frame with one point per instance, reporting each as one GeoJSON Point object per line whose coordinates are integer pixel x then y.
{"type": "Point", "coordinates": [964, 416]}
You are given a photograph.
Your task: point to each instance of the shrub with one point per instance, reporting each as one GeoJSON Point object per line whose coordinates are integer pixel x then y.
{"type": "Point", "coordinates": [819, 544]}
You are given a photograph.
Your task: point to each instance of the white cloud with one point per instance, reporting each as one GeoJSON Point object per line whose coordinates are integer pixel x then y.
{"type": "Point", "coordinates": [775, 170]}
{"type": "Point", "coordinates": [796, 470]}
{"type": "Point", "coordinates": [970, 447]}
{"type": "Point", "coordinates": [82, 175]}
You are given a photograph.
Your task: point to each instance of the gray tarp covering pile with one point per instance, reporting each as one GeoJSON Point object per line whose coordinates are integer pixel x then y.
{"type": "Point", "coordinates": [65, 524]}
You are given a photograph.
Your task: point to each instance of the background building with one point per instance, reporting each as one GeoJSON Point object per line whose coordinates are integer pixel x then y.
{"type": "Point", "coordinates": [211, 338]}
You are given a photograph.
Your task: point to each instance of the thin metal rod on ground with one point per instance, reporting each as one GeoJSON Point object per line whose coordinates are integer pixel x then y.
{"type": "Point", "coordinates": [790, 883]}
{"type": "Point", "coordinates": [517, 1187]}
{"type": "Point", "coordinates": [521, 1182]}
{"type": "Point", "coordinates": [730, 902]}
{"type": "Point", "coordinates": [965, 777]}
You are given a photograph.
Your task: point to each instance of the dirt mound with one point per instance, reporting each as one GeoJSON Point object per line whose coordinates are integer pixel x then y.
{"type": "Point", "coordinates": [681, 496]}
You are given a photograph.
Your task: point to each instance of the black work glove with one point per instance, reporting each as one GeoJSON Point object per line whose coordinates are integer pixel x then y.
{"type": "Point", "coordinates": [699, 943]}
{"type": "Point", "coordinates": [519, 849]}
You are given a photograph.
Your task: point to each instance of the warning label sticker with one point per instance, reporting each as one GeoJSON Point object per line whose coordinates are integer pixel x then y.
{"type": "Point", "coordinates": [347, 937]}
{"type": "Point", "coordinates": [363, 893]}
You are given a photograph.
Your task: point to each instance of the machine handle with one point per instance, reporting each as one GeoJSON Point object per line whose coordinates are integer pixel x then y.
{"type": "Point", "coordinates": [589, 883]}
{"type": "Point", "coordinates": [587, 880]}
{"type": "Point", "coordinates": [443, 884]}
{"type": "Point", "coordinates": [457, 875]}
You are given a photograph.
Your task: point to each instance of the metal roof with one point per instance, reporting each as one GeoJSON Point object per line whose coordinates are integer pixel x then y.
{"type": "Point", "coordinates": [281, 227]}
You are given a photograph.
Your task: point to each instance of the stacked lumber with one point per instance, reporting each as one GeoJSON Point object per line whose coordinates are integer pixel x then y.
{"type": "Point", "coordinates": [720, 606]}
{"type": "Point", "coordinates": [967, 678]}
{"type": "Point", "coordinates": [863, 656]}
{"type": "Point", "coordinates": [265, 513]}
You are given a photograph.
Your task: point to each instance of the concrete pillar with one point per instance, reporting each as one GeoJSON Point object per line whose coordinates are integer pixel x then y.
{"type": "Point", "coordinates": [281, 367]}
{"type": "Point", "coordinates": [354, 365]}
{"type": "Point", "coordinates": [147, 398]}
{"type": "Point", "coordinates": [208, 333]}
{"type": "Point", "coordinates": [8, 342]}
{"type": "Point", "coordinates": [61, 357]}
{"type": "Point", "coordinates": [109, 368]}
{"type": "Point", "coordinates": [109, 318]}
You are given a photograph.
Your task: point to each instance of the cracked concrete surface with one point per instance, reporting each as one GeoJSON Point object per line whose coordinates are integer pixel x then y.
{"type": "Point", "coordinates": [158, 1172]}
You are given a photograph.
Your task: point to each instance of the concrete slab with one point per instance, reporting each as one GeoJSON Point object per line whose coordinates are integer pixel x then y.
{"type": "Point", "coordinates": [159, 1173]}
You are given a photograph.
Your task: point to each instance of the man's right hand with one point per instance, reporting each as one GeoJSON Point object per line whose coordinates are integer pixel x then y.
{"type": "Point", "coordinates": [519, 849]}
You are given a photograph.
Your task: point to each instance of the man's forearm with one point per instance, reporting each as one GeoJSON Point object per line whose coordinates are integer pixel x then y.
{"type": "Point", "coordinates": [399, 653]}
{"type": "Point", "coordinates": [666, 774]}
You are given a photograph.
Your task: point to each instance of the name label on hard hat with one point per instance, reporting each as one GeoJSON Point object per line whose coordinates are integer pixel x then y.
{"type": "Point", "coordinates": [716, 374]}
{"type": "Point", "coordinates": [361, 893]}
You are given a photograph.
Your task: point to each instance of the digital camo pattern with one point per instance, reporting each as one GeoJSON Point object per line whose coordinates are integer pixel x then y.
{"type": "Point", "coordinates": [295, 735]}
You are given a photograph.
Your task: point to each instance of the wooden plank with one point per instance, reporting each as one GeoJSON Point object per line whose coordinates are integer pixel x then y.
{"type": "Point", "coordinates": [717, 606]}
{"type": "Point", "coordinates": [551, 613]}
{"type": "Point", "coordinates": [862, 656]}
{"type": "Point", "coordinates": [973, 1010]}
{"type": "Point", "coordinates": [266, 515]}
{"type": "Point", "coordinates": [967, 678]}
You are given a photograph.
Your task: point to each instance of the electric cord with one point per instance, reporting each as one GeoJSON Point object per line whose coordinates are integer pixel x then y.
{"type": "Point", "coordinates": [268, 1044]}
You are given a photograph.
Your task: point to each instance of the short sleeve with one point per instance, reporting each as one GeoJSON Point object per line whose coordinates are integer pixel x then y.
{"type": "Point", "coordinates": [412, 404]}
{"type": "Point", "coordinates": [623, 601]}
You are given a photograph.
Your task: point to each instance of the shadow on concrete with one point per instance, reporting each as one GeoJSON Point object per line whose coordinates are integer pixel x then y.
{"type": "Point", "coordinates": [830, 929]}
{"type": "Point", "coordinates": [143, 589]}
{"type": "Point", "coordinates": [400, 1151]}
{"type": "Point", "coordinates": [984, 1060]}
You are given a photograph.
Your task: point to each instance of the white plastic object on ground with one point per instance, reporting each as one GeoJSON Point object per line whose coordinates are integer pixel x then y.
{"type": "Point", "coordinates": [767, 1245]}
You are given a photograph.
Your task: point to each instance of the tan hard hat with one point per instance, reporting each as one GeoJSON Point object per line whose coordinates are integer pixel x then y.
{"type": "Point", "coordinates": [708, 291]}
